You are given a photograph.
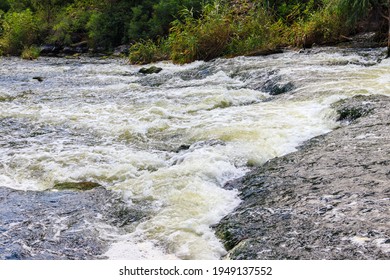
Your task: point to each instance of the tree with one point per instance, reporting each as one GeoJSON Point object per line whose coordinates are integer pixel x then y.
{"type": "Point", "coordinates": [4, 5]}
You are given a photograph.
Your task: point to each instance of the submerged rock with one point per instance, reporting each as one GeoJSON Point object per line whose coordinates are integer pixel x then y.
{"type": "Point", "coordinates": [274, 88]}
{"type": "Point", "coordinates": [329, 200]}
{"type": "Point", "coordinates": [60, 225]}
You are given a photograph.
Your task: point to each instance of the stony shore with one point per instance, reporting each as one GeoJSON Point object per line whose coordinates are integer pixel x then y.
{"type": "Point", "coordinates": [328, 200]}
{"type": "Point", "coordinates": [60, 224]}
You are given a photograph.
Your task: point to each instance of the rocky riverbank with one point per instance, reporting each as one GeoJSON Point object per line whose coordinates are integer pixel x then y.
{"type": "Point", "coordinates": [60, 224]}
{"type": "Point", "coordinates": [329, 200]}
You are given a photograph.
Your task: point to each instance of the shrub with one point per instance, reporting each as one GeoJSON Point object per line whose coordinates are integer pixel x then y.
{"type": "Point", "coordinates": [252, 32]}
{"type": "Point", "coordinates": [19, 29]}
{"type": "Point", "coordinates": [31, 52]}
{"type": "Point", "coordinates": [146, 51]}
{"type": "Point", "coordinates": [70, 25]}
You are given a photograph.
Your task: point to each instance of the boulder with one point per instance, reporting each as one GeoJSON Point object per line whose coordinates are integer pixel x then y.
{"type": "Point", "coordinates": [122, 50]}
{"type": "Point", "coordinates": [150, 70]}
{"type": "Point", "coordinates": [50, 50]}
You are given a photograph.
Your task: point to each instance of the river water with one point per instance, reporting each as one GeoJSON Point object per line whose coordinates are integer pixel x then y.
{"type": "Point", "coordinates": [170, 141]}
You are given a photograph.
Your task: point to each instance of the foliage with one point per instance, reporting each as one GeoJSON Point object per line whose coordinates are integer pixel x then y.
{"type": "Point", "coordinates": [252, 32]}
{"type": "Point", "coordinates": [146, 51]}
{"type": "Point", "coordinates": [221, 30]}
{"type": "Point", "coordinates": [70, 26]}
{"type": "Point", "coordinates": [204, 38]}
{"type": "Point", "coordinates": [4, 5]}
{"type": "Point", "coordinates": [187, 30]}
{"type": "Point", "coordinates": [20, 29]}
{"type": "Point", "coordinates": [30, 53]}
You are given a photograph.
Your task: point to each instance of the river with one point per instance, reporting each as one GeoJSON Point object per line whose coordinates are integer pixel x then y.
{"type": "Point", "coordinates": [168, 142]}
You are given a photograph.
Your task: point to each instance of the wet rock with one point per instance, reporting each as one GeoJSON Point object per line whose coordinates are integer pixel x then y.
{"type": "Point", "coordinates": [350, 112]}
{"type": "Point", "coordinates": [68, 50]}
{"type": "Point", "coordinates": [271, 82]}
{"type": "Point", "coordinates": [275, 84]}
{"type": "Point", "coordinates": [50, 50]}
{"type": "Point", "coordinates": [329, 200]}
{"type": "Point", "coordinates": [60, 225]}
{"type": "Point", "coordinates": [150, 70]}
{"type": "Point", "coordinates": [275, 87]}
{"type": "Point", "coordinates": [362, 40]}
{"type": "Point", "coordinates": [38, 78]}
{"type": "Point", "coordinates": [200, 144]}
{"type": "Point", "coordinates": [79, 186]}
{"type": "Point", "coordinates": [265, 52]}
{"type": "Point", "coordinates": [78, 48]}
{"type": "Point", "coordinates": [123, 50]}
{"type": "Point", "coordinates": [183, 147]}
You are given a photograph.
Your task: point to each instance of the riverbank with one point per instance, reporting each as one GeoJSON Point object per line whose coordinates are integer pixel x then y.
{"type": "Point", "coordinates": [183, 31]}
{"type": "Point", "coordinates": [329, 200]}
{"type": "Point", "coordinates": [58, 225]}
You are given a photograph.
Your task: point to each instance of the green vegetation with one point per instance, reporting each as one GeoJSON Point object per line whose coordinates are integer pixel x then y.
{"type": "Point", "coordinates": [183, 30]}
{"type": "Point", "coordinates": [30, 53]}
{"type": "Point", "coordinates": [19, 29]}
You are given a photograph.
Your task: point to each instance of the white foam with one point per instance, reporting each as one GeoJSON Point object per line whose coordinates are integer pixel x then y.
{"type": "Point", "coordinates": [104, 122]}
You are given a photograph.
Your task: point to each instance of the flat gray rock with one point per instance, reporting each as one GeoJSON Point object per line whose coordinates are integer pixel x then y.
{"type": "Point", "coordinates": [329, 200]}
{"type": "Point", "coordinates": [59, 225]}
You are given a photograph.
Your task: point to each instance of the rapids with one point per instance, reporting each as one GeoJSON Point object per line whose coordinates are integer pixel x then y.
{"type": "Point", "coordinates": [168, 142]}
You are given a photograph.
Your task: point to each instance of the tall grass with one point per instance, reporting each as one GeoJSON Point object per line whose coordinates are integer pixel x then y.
{"type": "Point", "coordinates": [148, 51]}
{"type": "Point", "coordinates": [220, 30]}
{"type": "Point", "coordinates": [203, 38]}
{"type": "Point", "coordinates": [251, 27]}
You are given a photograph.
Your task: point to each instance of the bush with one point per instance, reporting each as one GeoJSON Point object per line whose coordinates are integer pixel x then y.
{"type": "Point", "coordinates": [146, 51]}
{"type": "Point", "coordinates": [70, 25]}
{"type": "Point", "coordinates": [30, 53]}
{"type": "Point", "coordinates": [20, 29]}
{"type": "Point", "coordinates": [252, 32]}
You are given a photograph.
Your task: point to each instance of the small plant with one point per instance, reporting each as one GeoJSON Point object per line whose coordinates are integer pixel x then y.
{"type": "Point", "coordinates": [30, 53]}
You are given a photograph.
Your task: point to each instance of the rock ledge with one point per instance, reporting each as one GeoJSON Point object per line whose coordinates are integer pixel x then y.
{"type": "Point", "coordinates": [329, 200]}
